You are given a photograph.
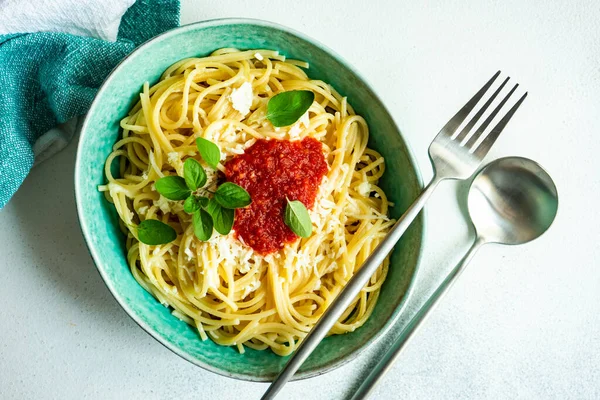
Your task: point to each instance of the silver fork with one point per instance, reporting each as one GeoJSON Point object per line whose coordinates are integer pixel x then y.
{"type": "Point", "coordinates": [454, 155]}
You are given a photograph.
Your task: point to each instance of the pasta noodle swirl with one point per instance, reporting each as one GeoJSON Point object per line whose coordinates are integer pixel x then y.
{"type": "Point", "coordinates": [229, 292]}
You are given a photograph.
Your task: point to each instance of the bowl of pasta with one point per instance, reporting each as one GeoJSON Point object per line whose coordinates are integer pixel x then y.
{"type": "Point", "coordinates": [231, 177]}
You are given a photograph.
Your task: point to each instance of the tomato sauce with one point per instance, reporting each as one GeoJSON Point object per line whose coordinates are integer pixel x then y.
{"type": "Point", "coordinates": [271, 171]}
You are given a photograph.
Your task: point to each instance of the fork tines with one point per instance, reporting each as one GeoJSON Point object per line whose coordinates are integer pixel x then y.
{"type": "Point", "coordinates": [472, 143]}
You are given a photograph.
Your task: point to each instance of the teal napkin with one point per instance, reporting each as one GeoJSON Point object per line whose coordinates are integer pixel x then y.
{"type": "Point", "coordinates": [48, 78]}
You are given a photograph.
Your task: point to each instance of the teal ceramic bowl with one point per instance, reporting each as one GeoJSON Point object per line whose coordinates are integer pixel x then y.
{"type": "Point", "coordinates": [98, 218]}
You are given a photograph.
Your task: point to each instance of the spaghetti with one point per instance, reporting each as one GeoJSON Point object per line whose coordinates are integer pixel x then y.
{"type": "Point", "coordinates": [227, 290]}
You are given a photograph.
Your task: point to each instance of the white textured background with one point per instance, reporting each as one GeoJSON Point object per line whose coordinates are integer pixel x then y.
{"type": "Point", "coordinates": [522, 322]}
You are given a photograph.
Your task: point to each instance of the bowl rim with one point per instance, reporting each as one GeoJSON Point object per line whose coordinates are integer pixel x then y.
{"type": "Point", "coordinates": [338, 362]}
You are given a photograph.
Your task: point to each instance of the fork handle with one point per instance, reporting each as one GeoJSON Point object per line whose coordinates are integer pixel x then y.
{"type": "Point", "coordinates": [350, 291]}
{"type": "Point", "coordinates": [392, 354]}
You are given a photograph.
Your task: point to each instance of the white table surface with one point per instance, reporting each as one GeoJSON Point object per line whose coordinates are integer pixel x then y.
{"type": "Point", "coordinates": [522, 322]}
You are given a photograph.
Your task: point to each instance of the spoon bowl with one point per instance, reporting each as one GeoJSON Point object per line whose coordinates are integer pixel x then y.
{"type": "Point", "coordinates": [512, 201]}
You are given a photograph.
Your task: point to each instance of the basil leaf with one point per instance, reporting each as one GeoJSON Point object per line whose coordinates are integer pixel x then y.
{"type": "Point", "coordinates": [230, 195]}
{"type": "Point", "coordinates": [172, 187]}
{"type": "Point", "coordinates": [287, 107]}
{"type": "Point", "coordinates": [203, 225]}
{"type": "Point", "coordinates": [153, 232]}
{"type": "Point", "coordinates": [194, 174]}
{"type": "Point", "coordinates": [209, 151]}
{"type": "Point", "coordinates": [203, 201]}
{"type": "Point", "coordinates": [194, 203]}
{"type": "Point", "coordinates": [222, 217]}
{"type": "Point", "coordinates": [297, 218]}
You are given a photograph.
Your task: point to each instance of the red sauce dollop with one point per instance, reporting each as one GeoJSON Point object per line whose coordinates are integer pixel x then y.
{"type": "Point", "coordinates": [271, 171]}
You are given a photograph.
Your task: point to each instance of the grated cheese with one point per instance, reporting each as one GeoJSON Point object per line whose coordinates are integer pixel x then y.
{"type": "Point", "coordinates": [364, 188]}
{"type": "Point", "coordinates": [211, 183]}
{"type": "Point", "coordinates": [241, 98]}
{"type": "Point", "coordinates": [189, 253]}
{"type": "Point", "coordinates": [332, 267]}
{"type": "Point", "coordinates": [234, 254]}
{"type": "Point", "coordinates": [163, 204]}
{"type": "Point", "coordinates": [114, 187]}
{"type": "Point", "coordinates": [317, 285]}
{"type": "Point", "coordinates": [211, 275]}
{"type": "Point", "coordinates": [296, 129]}
{"type": "Point", "coordinates": [251, 287]}
{"type": "Point", "coordinates": [173, 157]}
{"type": "Point", "coordinates": [304, 119]}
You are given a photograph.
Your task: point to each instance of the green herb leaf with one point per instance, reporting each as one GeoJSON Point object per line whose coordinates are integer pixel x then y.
{"type": "Point", "coordinates": [230, 195]}
{"type": "Point", "coordinates": [222, 217]}
{"type": "Point", "coordinates": [194, 174]}
{"type": "Point", "coordinates": [287, 107]}
{"type": "Point", "coordinates": [194, 203]}
{"type": "Point", "coordinates": [172, 187]}
{"type": "Point", "coordinates": [209, 151]}
{"type": "Point", "coordinates": [297, 218]}
{"type": "Point", "coordinates": [153, 232]}
{"type": "Point", "coordinates": [203, 225]}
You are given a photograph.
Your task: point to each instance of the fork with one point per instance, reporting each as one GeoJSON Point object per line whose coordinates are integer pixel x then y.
{"type": "Point", "coordinates": [454, 154]}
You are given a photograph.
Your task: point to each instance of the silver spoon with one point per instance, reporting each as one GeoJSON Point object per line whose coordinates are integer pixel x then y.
{"type": "Point", "coordinates": [511, 201]}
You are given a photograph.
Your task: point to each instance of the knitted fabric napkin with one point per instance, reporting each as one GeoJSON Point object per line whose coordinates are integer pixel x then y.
{"type": "Point", "coordinates": [48, 78]}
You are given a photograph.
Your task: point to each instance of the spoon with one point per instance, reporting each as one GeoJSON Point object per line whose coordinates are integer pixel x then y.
{"type": "Point", "coordinates": [511, 201]}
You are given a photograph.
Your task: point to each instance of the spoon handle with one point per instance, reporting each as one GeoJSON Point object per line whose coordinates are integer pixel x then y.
{"type": "Point", "coordinates": [394, 351]}
{"type": "Point", "coordinates": [347, 295]}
